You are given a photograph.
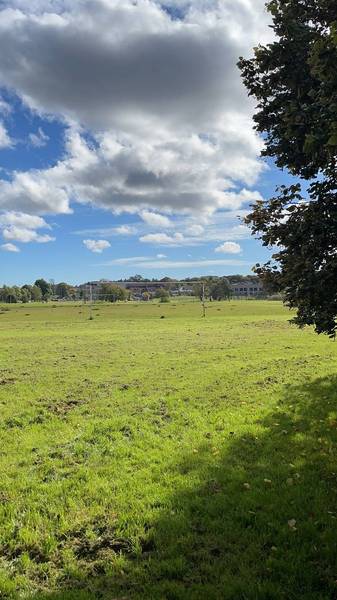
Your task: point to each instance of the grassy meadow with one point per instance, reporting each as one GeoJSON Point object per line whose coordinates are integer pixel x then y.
{"type": "Point", "coordinates": [151, 454]}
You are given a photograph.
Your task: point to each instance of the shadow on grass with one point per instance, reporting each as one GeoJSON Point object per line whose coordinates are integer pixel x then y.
{"type": "Point", "coordinates": [258, 521]}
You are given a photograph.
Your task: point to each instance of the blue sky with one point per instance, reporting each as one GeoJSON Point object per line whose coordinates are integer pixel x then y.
{"type": "Point", "coordinates": [126, 139]}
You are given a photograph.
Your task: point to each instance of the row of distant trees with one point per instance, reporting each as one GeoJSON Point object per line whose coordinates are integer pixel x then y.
{"type": "Point", "coordinates": [211, 287]}
{"type": "Point", "coordinates": [40, 291]}
{"type": "Point", "coordinates": [214, 288]}
{"type": "Point", "coordinates": [207, 278]}
{"type": "Point", "coordinates": [110, 292]}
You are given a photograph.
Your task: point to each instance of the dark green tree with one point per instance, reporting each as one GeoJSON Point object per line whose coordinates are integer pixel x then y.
{"type": "Point", "coordinates": [294, 80]}
{"type": "Point", "coordinates": [221, 289]}
{"type": "Point", "coordinates": [45, 288]}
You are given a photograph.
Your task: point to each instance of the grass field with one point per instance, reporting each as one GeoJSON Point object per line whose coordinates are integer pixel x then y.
{"type": "Point", "coordinates": [166, 458]}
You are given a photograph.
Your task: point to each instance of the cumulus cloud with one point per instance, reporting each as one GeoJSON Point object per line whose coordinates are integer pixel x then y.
{"type": "Point", "coordinates": [10, 248]}
{"type": "Point", "coordinates": [163, 239]}
{"type": "Point", "coordinates": [155, 219]}
{"type": "Point", "coordinates": [23, 220]}
{"type": "Point", "coordinates": [34, 192]}
{"type": "Point", "coordinates": [21, 234]}
{"type": "Point", "coordinates": [96, 246]}
{"type": "Point", "coordinates": [229, 248]}
{"type": "Point", "coordinates": [115, 176]}
{"type": "Point", "coordinates": [39, 139]}
{"type": "Point", "coordinates": [159, 91]}
{"type": "Point", "coordinates": [21, 227]}
{"type": "Point", "coordinates": [106, 63]}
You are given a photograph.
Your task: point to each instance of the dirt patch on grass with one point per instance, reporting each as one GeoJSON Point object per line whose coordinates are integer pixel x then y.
{"type": "Point", "coordinates": [94, 548]}
{"type": "Point", "coordinates": [63, 407]}
{"type": "Point", "coordinates": [7, 380]}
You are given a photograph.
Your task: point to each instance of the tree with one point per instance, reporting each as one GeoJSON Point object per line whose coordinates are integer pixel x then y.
{"type": "Point", "coordinates": [25, 294]}
{"type": "Point", "coordinates": [45, 288]}
{"type": "Point", "coordinates": [294, 80]}
{"type": "Point", "coordinates": [36, 293]}
{"type": "Point", "coordinates": [63, 290]}
{"type": "Point", "coordinates": [112, 293]}
{"type": "Point", "coordinates": [221, 289]}
{"type": "Point", "coordinates": [137, 278]}
{"type": "Point", "coordinates": [163, 295]}
{"type": "Point", "coordinates": [10, 295]}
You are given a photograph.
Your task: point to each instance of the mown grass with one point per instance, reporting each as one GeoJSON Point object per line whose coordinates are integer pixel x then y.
{"type": "Point", "coordinates": [166, 458]}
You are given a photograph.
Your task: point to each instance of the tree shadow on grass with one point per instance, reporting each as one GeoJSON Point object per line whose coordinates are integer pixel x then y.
{"type": "Point", "coordinates": [258, 521]}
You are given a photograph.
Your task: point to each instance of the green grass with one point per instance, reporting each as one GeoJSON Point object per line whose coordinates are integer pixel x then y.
{"type": "Point", "coordinates": [166, 458]}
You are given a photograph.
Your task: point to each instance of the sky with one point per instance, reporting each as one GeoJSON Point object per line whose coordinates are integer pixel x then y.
{"type": "Point", "coordinates": [126, 139]}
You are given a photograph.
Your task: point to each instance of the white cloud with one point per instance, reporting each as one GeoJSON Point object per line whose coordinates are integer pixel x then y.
{"type": "Point", "coordinates": [108, 231]}
{"type": "Point", "coordinates": [34, 192]}
{"type": "Point", "coordinates": [124, 230]}
{"type": "Point", "coordinates": [162, 239]}
{"type": "Point", "coordinates": [21, 234]}
{"type": "Point", "coordinates": [10, 247]}
{"type": "Point", "coordinates": [39, 139]}
{"type": "Point", "coordinates": [129, 260]}
{"type": "Point", "coordinates": [96, 245]}
{"type": "Point", "coordinates": [5, 140]}
{"type": "Point", "coordinates": [162, 98]}
{"type": "Point", "coordinates": [21, 227]}
{"type": "Point", "coordinates": [229, 248]}
{"type": "Point", "coordinates": [23, 220]}
{"type": "Point", "coordinates": [128, 181]}
{"type": "Point", "coordinates": [155, 220]}
{"type": "Point", "coordinates": [161, 255]}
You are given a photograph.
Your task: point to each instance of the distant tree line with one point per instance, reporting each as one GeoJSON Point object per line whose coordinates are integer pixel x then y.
{"type": "Point", "coordinates": [40, 291]}
{"type": "Point", "coordinates": [230, 278]}
{"type": "Point", "coordinates": [210, 287]}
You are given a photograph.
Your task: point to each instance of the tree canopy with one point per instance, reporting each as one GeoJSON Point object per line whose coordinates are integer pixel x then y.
{"type": "Point", "coordinates": [112, 293]}
{"type": "Point", "coordinates": [221, 289]}
{"type": "Point", "coordinates": [45, 288]}
{"type": "Point", "coordinates": [294, 80]}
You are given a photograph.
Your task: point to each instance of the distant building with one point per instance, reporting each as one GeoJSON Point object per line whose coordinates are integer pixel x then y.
{"type": "Point", "coordinates": [247, 289]}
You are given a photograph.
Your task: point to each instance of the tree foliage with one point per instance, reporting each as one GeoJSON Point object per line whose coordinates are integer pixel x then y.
{"type": "Point", "coordinates": [45, 287]}
{"type": "Point", "coordinates": [294, 80]}
{"type": "Point", "coordinates": [112, 293]}
{"type": "Point", "coordinates": [221, 289]}
{"type": "Point", "coordinates": [63, 290]}
{"type": "Point", "coordinates": [163, 294]}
